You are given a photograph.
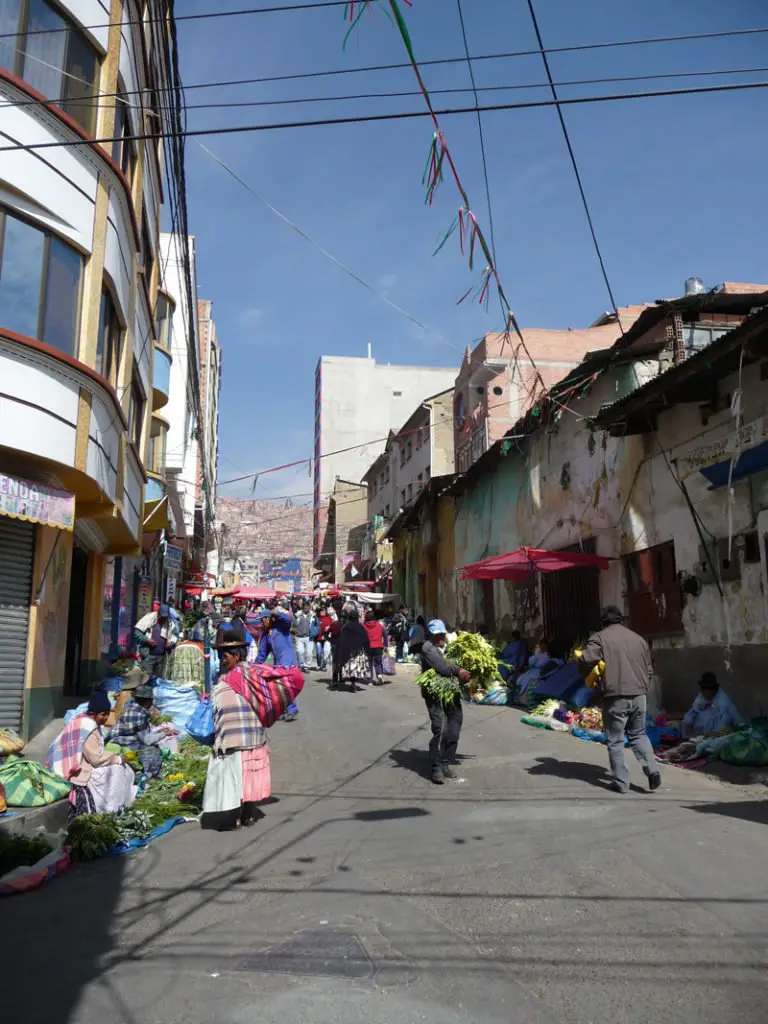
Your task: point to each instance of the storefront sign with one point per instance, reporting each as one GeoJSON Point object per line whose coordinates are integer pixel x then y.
{"type": "Point", "coordinates": [172, 558]}
{"type": "Point", "coordinates": [749, 436]}
{"type": "Point", "coordinates": [170, 591]}
{"type": "Point", "coordinates": [24, 499]}
{"type": "Point", "coordinates": [144, 597]}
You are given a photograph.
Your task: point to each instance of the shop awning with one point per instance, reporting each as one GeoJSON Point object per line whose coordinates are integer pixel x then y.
{"type": "Point", "coordinates": [518, 565]}
{"type": "Point", "coordinates": [156, 515]}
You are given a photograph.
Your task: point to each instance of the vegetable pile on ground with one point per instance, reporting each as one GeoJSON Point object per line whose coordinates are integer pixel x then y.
{"type": "Point", "coordinates": [178, 793]}
{"type": "Point", "coordinates": [471, 652]}
{"type": "Point", "coordinates": [21, 851]}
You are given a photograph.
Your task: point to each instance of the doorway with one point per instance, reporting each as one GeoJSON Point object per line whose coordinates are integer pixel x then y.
{"type": "Point", "coordinates": [571, 603]}
{"type": "Point", "coordinates": [75, 620]}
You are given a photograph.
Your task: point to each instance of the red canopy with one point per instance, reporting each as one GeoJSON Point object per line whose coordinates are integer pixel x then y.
{"type": "Point", "coordinates": [518, 565]}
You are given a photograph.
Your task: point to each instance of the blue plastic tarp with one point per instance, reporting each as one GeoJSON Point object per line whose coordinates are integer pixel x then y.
{"type": "Point", "coordinates": [177, 701]}
{"type": "Point", "coordinates": [136, 844]}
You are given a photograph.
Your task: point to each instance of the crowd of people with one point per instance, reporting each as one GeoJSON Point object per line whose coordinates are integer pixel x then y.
{"type": "Point", "coordinates": [352, 640]}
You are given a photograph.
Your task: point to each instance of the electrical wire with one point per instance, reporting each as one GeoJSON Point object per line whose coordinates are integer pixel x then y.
{"type": "Point", "coordinates": [398, 116]}
{"type": "Point", "coordinates": [405, 93]}
{"type": "Point", "coordinates": [479, 129]}
{"type": "Point", "coordinates": [282, 8]}
{"type": "Point", "coordinates": [574, 165]}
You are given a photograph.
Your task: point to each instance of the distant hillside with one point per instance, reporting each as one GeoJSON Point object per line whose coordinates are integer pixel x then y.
{"type": "Point", "coordinates": [264, 531]}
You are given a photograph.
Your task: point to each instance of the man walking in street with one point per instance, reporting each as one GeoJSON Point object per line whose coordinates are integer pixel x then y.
{"type": "Point", "coordinates": [302, 627]}
{"type": "Point", "coordinates": [446, 720]}
{"type": "Point", "coordinates": [399, 631]}
{"type": "Point", "coordinates": [623, 689]}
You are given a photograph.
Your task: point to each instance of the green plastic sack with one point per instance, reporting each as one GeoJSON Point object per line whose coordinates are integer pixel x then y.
{"type": "Point", "coordinates": [29, 784]}
{"type": "Point", "coordinates": [748, 748]}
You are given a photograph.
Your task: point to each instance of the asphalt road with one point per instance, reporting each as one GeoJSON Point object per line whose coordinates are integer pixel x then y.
{"type": "Point", "coordinates": [522, 893]}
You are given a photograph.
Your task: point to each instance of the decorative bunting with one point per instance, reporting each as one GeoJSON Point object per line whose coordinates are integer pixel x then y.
{"type": "Point", "coordinates": [433, 172]}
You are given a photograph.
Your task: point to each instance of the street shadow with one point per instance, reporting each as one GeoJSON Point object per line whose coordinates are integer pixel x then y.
{"type": "Point", "coordinates": [744, 810]}
{"type": "Point", "coordinates": [391, 814]}
{"type": "Point", "coordinates": [64, 929]}
{"type": "Point", "coordinates": [594, 775]}
{"type": "Point", "coordinates": [415, 760]}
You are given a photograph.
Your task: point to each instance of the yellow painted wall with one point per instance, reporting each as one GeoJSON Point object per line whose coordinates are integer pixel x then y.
{"type": "Point", "coordinates": [446, 560]}
{"type": "Point", "coordinates": [49, 636]}
{"type": "Point", "coordinates": [47, 639]}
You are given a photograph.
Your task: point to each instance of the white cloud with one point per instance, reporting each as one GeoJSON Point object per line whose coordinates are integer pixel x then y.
{"type": "Point", "coordinates": [252, 315]}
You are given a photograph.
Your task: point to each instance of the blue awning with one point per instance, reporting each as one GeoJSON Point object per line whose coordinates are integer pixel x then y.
{"type": "Point", "coordinates": [753, 460]}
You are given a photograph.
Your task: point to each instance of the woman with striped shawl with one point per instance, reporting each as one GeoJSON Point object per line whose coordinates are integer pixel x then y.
{"type": "Point", "coordinates": [239, 748]}
{"type": "Point", "coordinates": [101, 781]}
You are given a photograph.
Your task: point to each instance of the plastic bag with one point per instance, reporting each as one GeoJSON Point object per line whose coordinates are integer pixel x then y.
{"type": "Point", "coordinates": [177, 701]}
{"type": "Point", "coordinates": [29, 784]}
{"type": "Point", "coordinates": [749, 748]}
{"type": "Point", "coordinates": [200, 724]}
{"type": "Point", "coordinates": [388, 664]}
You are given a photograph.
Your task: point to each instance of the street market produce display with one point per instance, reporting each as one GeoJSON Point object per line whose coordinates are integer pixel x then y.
{"type": "Point", "coordinates": [21, 851]}
{"type": "Point", "coordinates": [177, 794]}
{"type": "Point", "coordinates": [470, 651]}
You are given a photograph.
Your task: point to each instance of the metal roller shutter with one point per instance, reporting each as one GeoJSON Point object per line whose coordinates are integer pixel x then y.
{"type": "Point", "coordinates": [17, 546]}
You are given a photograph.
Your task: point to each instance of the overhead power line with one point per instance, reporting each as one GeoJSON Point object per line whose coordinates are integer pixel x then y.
{"type": "Point", "coordinates": [392, 94]}
{"type": "Point", "coordinates": [309, 75]}
{"type": "Point", "coordinates": [480, 130]}
{"type": "Point", "coordinates": [399, 116]}
{"type": "Point", "coordinates": [281, 8]}
{"type": "Point", "coordinates": [574, 165]}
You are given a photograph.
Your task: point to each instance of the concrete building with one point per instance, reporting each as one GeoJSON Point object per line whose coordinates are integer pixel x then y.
{"type": "Point", "coordinates": [420, 450]}
{"type": "Point", "coordinates": [357, 402]}
{"type": "Point", "coordinates": [660, 465]}
{"type": "Point", "coordinates": [81, 367]}
{"type": "Point", "coordinates": [500, 379]}
{"type": "Point", "coordinates": [180, 428]}
{"type": "Point", "coordinates": [208, 451]}
{"type": "Point", "coordinates": [346, 529]}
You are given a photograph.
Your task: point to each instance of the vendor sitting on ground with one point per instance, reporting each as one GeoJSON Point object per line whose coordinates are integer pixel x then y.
{"type": "Point", "coordinates": [540, 657]}
{"type": "Point", "coordinates": [512, 657]}
{"type": "Point", "coordinates": [712, 711]}
{"type": "Point", "coordinates": [101, 782]}
{"type": "Point", "coordinates": [135, 731]}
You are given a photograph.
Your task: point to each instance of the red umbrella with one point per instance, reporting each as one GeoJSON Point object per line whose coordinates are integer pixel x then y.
{"type": "Point", "coordinates": [517, 565]}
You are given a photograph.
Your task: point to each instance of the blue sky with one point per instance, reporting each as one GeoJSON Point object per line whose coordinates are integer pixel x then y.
{"type": "Point", "coordinates": [676, 187]}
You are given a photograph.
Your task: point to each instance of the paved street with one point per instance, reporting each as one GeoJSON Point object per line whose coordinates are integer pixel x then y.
{"type": "Point", "coordinates": [524, 893]}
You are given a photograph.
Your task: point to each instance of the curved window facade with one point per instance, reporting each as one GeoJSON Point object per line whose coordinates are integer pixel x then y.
{"type": "Point", "coordinates": [40, 45]}
{"type": "Point", "coordinates": [40, 284]}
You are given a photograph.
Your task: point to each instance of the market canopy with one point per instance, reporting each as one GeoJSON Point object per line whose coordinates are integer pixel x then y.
{"type": "Point", "coordinates": [255, 593]}
{"type": "Point", "coordinates": [518, 565]}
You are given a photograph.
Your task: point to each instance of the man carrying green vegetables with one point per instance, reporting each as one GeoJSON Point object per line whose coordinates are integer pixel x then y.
{"type": "Point", "coordinates": [445, 715]}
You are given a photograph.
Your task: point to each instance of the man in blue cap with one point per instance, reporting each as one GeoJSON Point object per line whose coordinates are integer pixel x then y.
{"type": "Point", "coordinates": [446, 720]}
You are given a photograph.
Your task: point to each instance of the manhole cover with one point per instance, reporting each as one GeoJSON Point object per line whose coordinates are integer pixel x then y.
{"type": "Point", "coordinates": [327, 952]}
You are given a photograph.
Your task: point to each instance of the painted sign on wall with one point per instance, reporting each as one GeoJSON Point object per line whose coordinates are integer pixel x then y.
{"type": "Point", "coordinates": [24, 499]}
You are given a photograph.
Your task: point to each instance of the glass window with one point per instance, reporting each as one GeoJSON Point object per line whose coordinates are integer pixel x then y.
{"type": "Point", "coordinates": [109, 343]}
{"type": "Point", "coordinates": [146, 248]}
{"type": "Point", "coordinates": [136, 410]}
{"type": "Point", "coordinates": [122, 148]}
{"type": "Point", "coordinates": [79, 92]}
{"type": "Point", "coordinates": [49, 53]}
{"type": "Point", "coordinates": [156, 449]}
{"type": "Point", "coordinates": [62, 296]}
{"type": "Point", "coordinates": [10, 15]}
{"type": "Point", "coordinates": [22, 248]}
{"type": "Point", "coordinates": [44, 52]}
{"type": "Point", "coordinates": [163, 314]}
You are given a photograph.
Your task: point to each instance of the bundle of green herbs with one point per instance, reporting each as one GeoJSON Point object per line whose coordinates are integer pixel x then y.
{"type": "Point", "coordinates": [471, 652]}
{"type": "Point", "coordinates": [21, 851]}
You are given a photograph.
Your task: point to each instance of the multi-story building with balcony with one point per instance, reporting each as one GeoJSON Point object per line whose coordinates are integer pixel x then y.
{"type": "Point", "coordinates": [84, 370]}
